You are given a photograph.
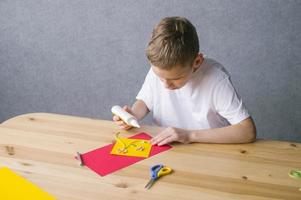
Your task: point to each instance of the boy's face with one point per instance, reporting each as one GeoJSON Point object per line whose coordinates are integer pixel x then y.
{"type": "Point", "coordinates": [178, 76]}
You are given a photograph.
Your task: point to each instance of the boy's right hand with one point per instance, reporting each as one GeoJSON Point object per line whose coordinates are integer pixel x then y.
{"type": "Point", "coordinates": [120, 122]}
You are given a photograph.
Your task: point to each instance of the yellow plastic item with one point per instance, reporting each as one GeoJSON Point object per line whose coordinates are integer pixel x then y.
{"type": "Point", "coordinates": [164, 171]}
{"type": "Point", "coordinates": [15, 187]}
{"type": "Point", "coordinates": [131, 147]}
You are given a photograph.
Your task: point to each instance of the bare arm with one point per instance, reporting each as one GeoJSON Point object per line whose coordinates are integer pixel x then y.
{"type": "Point", "coordinates": [139, 109]}
{"type": "Point", "coordinates": [243, 132]}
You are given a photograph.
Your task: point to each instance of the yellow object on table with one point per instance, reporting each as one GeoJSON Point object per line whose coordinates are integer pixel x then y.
{"type": "Point", "coordinates": [13, 187]}
{"type": "Point", "coordinates": [131, 147]}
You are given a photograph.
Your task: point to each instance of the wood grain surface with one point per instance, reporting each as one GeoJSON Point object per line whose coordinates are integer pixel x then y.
{"type": "Point", "coordinates": [41, 147]}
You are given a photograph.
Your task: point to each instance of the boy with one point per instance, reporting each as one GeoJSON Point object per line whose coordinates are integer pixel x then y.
{"type": "Point", "coordinates": [191, 95]}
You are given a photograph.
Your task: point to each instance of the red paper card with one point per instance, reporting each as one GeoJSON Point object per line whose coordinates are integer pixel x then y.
{"type": "Point", "coordinates": [103, 163]}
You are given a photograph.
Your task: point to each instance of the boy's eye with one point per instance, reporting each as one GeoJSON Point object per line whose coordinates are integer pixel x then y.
{"type": "Point", "coordinates": [177, 78]}
{"type": "Point", "coordinates": [174, 79]}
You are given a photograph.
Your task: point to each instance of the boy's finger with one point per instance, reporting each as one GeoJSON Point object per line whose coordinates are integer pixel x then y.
{"type": "Point", "coordinates": [126, 108]}
{"type": "Point", "coordinates": [121, 123]}
{"type": "Point", "coordinates": [166, 141]}
{"type": "Point", "coordinates": [116, 118]}
{"type": "Point", "coordinates": [128, 127]}
{"type": "Point", "coordinates": [160, 137]}
{"type": "Point", "coordinates": [125, 127]}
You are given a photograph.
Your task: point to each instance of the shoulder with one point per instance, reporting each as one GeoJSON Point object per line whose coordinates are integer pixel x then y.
{"type": "Point", "coordinates": [151, 80]}
{"type": "Point", "coordinates": [214, 71]}
{"type": "Point", "coordinates": [210, 75]}
{"type": "Point", "coordinates": [150, 76]}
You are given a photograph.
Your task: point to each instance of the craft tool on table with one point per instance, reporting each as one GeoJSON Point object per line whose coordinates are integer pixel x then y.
{"type": "Point", "coordinates": [156, 172]}
{"type": "Point", "coordinates": [79, 158]}
{"type": "Point", "coordinates": [296, 174]}
{"type": "Point", "coordinates": [125, 116]}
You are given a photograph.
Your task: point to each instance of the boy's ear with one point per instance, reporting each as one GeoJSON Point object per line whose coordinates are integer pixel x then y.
{"type": "Point", "coordinates": [198, 61]}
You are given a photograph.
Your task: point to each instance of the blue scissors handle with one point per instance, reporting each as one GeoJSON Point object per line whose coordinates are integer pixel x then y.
{"type": "Point", "coordinates": [154, 171]}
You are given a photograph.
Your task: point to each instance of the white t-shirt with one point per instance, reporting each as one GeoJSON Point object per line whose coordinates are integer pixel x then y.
{"type": "Point", "coordinates": [207, 100]}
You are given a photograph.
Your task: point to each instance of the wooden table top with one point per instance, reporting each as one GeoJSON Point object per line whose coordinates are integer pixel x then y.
{"type": "Point", "coordinates": [41, 147]}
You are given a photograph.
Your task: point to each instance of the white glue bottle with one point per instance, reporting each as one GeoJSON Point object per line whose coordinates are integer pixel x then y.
{"type": "Point", "coordinates": [125, 116]}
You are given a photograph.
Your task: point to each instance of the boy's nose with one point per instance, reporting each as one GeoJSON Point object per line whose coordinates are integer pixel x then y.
{"type": "Point", "coordinates": [167, 84]}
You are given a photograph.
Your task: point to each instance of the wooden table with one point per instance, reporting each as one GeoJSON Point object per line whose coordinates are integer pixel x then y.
{"type": "Point", "coordinates": [41, 147]}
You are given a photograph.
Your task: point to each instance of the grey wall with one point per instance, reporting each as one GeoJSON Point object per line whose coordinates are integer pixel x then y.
{"type": "Point", "coordinates": [81, 57]}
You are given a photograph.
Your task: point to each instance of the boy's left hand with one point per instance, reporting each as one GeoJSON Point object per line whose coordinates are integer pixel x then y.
{"type": "Point", "coordinates": [171, 134]}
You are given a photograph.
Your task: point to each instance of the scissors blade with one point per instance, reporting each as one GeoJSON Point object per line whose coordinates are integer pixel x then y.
{"type": "Point", "coordinates": [150, 183]}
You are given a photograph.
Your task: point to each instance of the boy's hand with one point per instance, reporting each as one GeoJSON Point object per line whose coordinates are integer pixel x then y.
{"type": "Point", "coordinates": [120, 122]}
{"type": "Point", "coordinates": [170, 134]}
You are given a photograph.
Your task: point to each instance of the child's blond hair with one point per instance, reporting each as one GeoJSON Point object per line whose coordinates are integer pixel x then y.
{"type": "Point", "coordinates": [174, 42]}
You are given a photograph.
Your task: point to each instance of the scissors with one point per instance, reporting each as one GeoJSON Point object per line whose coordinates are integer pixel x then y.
{"type": "Point", "coordinates": [156, 172]}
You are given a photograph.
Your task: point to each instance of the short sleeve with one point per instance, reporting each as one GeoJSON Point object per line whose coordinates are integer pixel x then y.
{"type": "Point", "coordinates": [146, 92]}
{"type": "Point", "coordinates": [227, 102]}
